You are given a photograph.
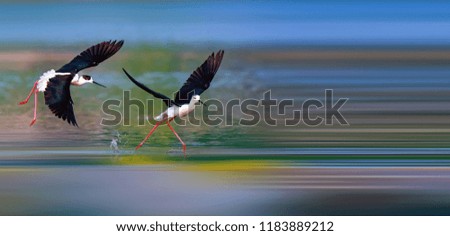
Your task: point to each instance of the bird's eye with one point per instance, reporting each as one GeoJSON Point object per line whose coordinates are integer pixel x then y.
{"type": "Point", "coordinates": [87, 78]}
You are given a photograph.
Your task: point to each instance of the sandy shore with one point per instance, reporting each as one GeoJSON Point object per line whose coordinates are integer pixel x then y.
{"type": "Point", "coordinates": [20, 60]}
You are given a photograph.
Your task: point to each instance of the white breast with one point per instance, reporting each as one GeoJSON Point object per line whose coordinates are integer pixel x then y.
{"type": "Point", "coordinates": [43, 80]}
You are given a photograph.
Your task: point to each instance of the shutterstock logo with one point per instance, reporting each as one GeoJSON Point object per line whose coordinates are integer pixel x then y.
{"type": "Point", "coordinates": [247, 112]}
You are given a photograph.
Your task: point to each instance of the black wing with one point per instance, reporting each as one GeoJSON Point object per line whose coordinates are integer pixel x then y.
{"type": "Point", "coordinates": [165, 99]}
{"type": "Point", "coordinates": [57, 97]}
{"type": "Point", "coordinates": [92, 56]}
{"type": "Point", "coordinates": [200, 79]}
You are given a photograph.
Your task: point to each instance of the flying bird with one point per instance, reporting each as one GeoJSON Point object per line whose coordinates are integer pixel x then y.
{"type": "Point", "coordinates": [187, 97]}
{"type": "Point", "coordinates": [56, 84]}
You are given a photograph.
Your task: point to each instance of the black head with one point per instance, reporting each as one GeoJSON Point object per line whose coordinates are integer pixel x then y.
{"type": "Point", "coordinates": [87, 77]}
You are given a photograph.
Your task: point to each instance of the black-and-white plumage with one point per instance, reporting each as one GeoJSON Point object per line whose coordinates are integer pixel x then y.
{"type": "Point", "coordinates": [56, 84]}
{"type": "Point", "coordinates": [188, 95]}
{"type": "Point", "coordinates": [200, 79]}
{"type": "Point", "coordinates": [196, 84]}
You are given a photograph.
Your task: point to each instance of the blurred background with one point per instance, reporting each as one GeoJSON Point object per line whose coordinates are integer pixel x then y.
{"type": "Point", "coordinates": [391, 59]}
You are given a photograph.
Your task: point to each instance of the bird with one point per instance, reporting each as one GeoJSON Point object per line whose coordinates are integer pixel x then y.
{"type": "Point", "coordinates": [186, 97]}
{"type": "Point", "coordinates": [56, 84]}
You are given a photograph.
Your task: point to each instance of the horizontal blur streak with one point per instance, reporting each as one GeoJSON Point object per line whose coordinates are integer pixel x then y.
{"type": "Point", "coordinates": [397, 97]}
{"type": "Point", "coordinates": [231, 22]}
{"type": "Point", "coordinates": [225, 188]}
{"type": "Point", "coordinates": [389, 175]}
{"type": "Point", "coordinates": [302, 57]}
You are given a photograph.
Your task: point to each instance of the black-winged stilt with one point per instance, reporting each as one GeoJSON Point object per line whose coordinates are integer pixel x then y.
{"type": "Point", "coordinates": [56, 84]}
{"type": "Point", "coordinates": [187, 97]}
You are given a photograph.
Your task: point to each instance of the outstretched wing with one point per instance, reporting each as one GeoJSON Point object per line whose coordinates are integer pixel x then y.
{"type": "Point", "coordinates": [57, 97]}
{"type": "Point", "coordinates": [165, 99]}
{"type": "Point", "coordinates": [200, 79]}
{"type": "Point", "coordinates": [92, 56]}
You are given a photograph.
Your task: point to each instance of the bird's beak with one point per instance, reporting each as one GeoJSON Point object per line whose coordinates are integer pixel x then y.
{"type": "Point", "coordinates": [202, 103]}
{"type": "Point", "coordinates": [99, 84]}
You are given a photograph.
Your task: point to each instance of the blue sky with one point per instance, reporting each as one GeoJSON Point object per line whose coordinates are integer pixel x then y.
{"type": "Point", "coordinates": [251, 22]}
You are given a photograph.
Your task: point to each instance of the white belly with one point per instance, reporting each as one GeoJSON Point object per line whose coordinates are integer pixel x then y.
{"type": "Point", "coordinates": [173, 112]}
{"type": "Point", "coordinates": [43, 80]}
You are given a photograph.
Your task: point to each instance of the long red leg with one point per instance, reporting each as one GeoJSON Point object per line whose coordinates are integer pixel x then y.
{"type": "Point", "coordinates": [35, 107]}
{"type": "Point", "coordinates": [148, 135]}
{"type": "Point", "coordinates": [184, 145]}
{"type": "Point", "coordinates": [29, 95]}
